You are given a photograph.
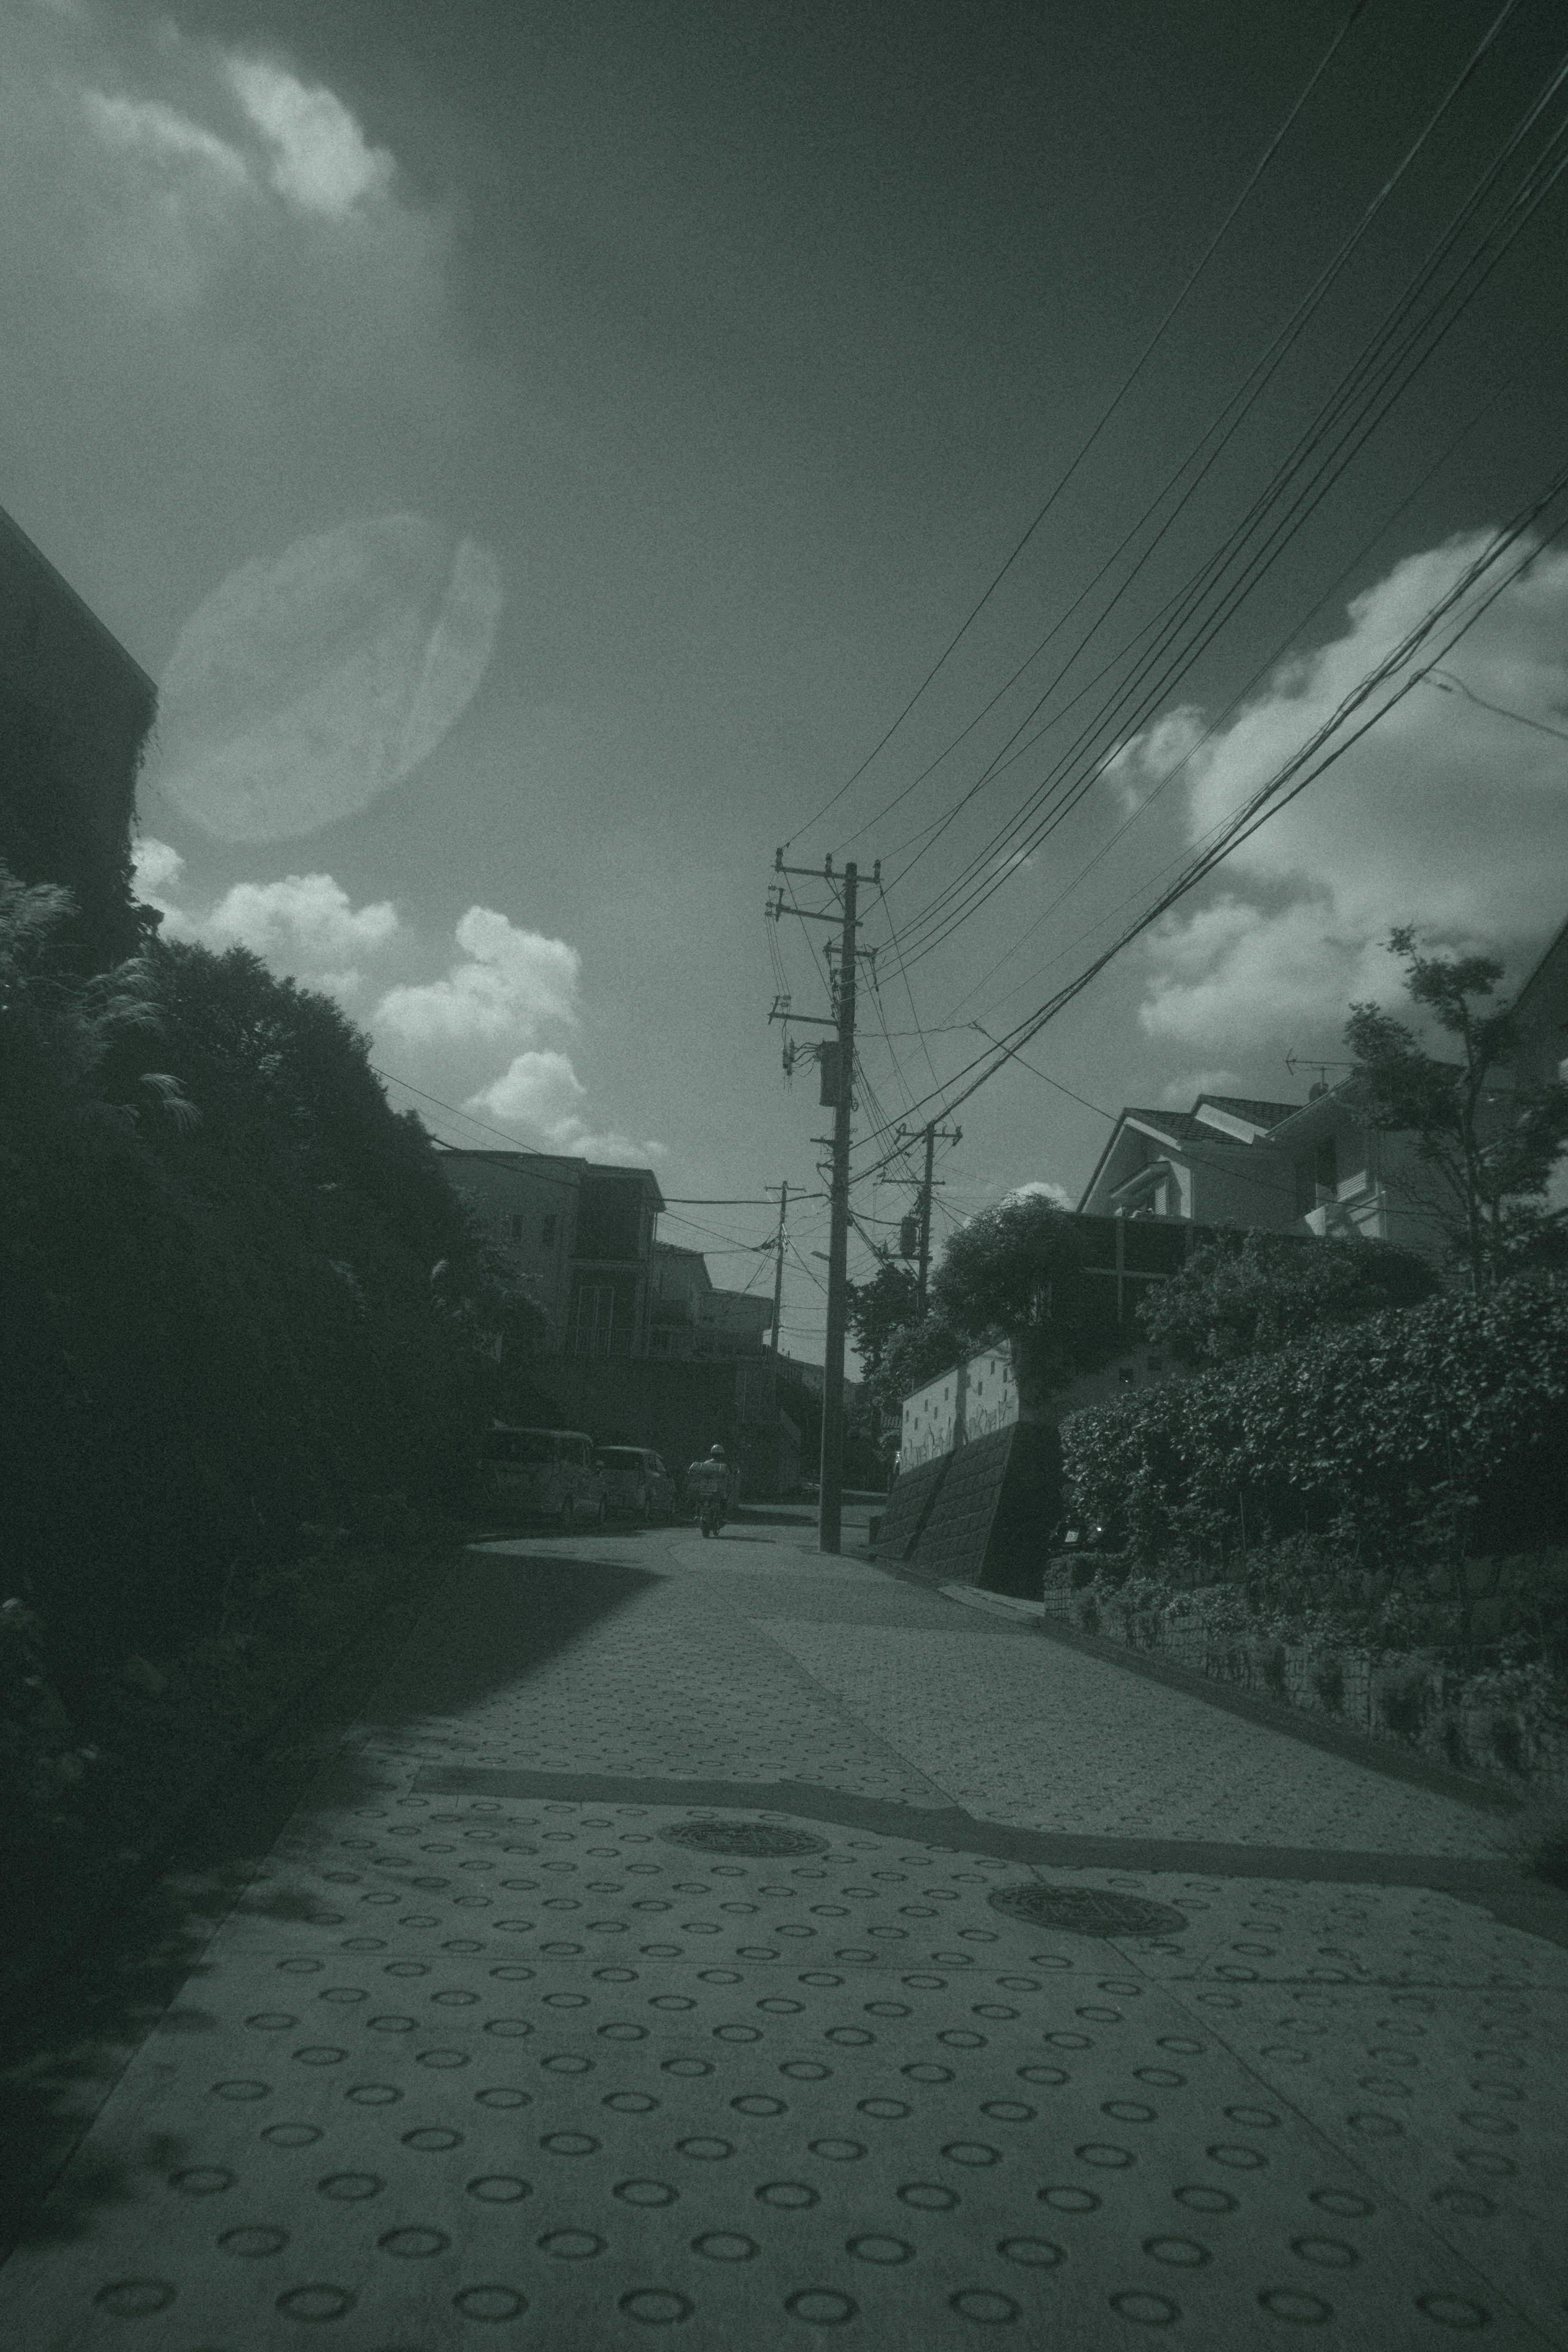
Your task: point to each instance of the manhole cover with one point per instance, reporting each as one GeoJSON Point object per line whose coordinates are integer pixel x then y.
{"type": "Point", "coordinates": [1086, 1911]}
{"type": "Point", "coordinates": [743, 1837]}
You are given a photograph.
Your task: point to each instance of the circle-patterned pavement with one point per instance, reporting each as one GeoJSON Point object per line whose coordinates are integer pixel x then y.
{"type": "Point", "coordinates": [569, 2068]}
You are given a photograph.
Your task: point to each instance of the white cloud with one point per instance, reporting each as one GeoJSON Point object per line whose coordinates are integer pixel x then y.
{"type": "Point", "coordinates": [319, 158]}
{"type": "Point", "coordinates": [1446, 815]}
{"type": "Point", "coordinates": [538, 1090]}
{"type": "Point", "coordinates": [306, 684]}
{"type": "Point", "coordinates": [303, 923]}
{"type": "Point", "coordinates": [1180, 1094]}
{"type": "Point", "coordinates": [510, 979]}
{"type": "Point", "coordinates": [1039, 1189]}
{"type": "Point", "coordinates": [151, 127]}
{"type": "Point", "coordinates": [542, 1093]}
{"type": "Point", "coordinates": [304, 927]}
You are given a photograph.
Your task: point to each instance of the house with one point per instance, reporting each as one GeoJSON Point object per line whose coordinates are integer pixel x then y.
{"type": "Point", "coordinates": [689, 1316]}
{"type": "Point", "coordinates": [575, 1236]}
{"type": "Point", "coordinates": [1541, 1010]}
{"type": "Point", "coordinates": [1289, 1168]}
{"type": "Point", "coordinates": [75, 714]}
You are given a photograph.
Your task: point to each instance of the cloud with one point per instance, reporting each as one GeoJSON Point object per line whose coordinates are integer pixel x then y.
{"type": "Point", "coordinates": [542, 1093]}
{"type": "Point", "coordinates": [155, 130]}
{"type": "Point", "coordinates": [1446, 814]}
{"type": "Point", "coordinates": [305, 920]}
{"type": "Point", "coordinates": [539, 1091]}
{"type": "Point", "coordinates": [1180, 1094]}
{"type": "Point", "coordinates": [508, 980]}
{"type": "Point", "coordinates": [304, 926]}
{"type": "Point", "coordinates": [1039, 1189]}
{"type": "Point", "coordinates": [306, 685]}
{"type": "Point", "coordinates": [320, 158]}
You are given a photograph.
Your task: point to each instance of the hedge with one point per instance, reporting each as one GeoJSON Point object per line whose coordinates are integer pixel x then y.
{"type": "Point", "coordinates": [1418, 1434]}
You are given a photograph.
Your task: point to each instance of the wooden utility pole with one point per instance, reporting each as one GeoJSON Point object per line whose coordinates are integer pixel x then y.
{"type": "Point", "coordinates": [838, 1063]}
{"type": "Point", "coordinates": [830, 1504]}
{"type": "Point", "coordinates": [778, 1264]}
{"type": "Point", "coordinates": [948, 1135]}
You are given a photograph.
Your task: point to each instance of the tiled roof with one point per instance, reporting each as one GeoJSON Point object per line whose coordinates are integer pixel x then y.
{"type": "Point", "coordinates": [1261, 1114]}
{"type": "Point", "coordinates": [1185, 1126]}
{"type": "Point", "coordinates": [1179, 1123]}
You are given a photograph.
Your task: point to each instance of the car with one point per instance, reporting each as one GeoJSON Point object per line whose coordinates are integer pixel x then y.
{"type": "Point", "coordinates": [549, 1474]}
{"type": "Point", "coordinates": [636, 1480]}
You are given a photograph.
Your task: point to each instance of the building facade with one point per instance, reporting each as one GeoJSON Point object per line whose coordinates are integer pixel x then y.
{"type": "Point", "coordinates": [1288, 1168]}
{"type": "Point", "coordinates": [75, 714]}
{"type": "Point", "coordinates": [690, 1319]}
{"type": "Point", "coordinates": [574, 1236]}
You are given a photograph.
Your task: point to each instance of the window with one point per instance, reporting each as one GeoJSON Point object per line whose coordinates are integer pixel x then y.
{"type": "Point", "coordinates": [517, 1229]}
{"type": "Point", "coordinates": [546, 1232]}
{"type": "Point", "coordinates": [595, 1318]}
{"type": "Point", "coordinates": [1326, 1169]}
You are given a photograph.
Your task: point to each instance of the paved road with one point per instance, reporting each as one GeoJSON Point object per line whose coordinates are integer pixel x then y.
{"type": "Point", "coordinates": [505, 2042]}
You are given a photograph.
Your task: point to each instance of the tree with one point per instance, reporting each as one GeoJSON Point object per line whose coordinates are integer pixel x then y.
{"type": "Point", "coordinates": [1016, 1271]}
{"type": "Point", "coordinates": [1491, 1146]}
{"type": "Point", "coordinates": [1014, 1274]}
{"type": "Point", "coordinates": [236, 1294]}
{"type": "Point", "coordinates": [877, 1310]}
{"type": "Point", "coordinates": [1245, 1295]}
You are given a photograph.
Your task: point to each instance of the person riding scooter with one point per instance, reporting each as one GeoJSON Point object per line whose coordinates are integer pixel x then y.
{"type": "Point", "coordinates": [708, 1481]}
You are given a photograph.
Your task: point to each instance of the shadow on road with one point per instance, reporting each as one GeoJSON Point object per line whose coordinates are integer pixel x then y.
{"type": "Point", "coordinates": [65, 2046]}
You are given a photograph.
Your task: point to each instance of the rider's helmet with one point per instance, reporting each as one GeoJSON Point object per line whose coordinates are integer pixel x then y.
{"type": "Point", "coordinates": [715, 1454]}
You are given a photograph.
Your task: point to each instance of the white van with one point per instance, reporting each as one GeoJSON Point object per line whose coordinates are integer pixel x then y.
{"type": "Point", "coordinates": [547, 1474]}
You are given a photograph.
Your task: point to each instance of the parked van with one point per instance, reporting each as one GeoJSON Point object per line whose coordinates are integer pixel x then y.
{"type": "Point", "coordinates": [543, 1474]}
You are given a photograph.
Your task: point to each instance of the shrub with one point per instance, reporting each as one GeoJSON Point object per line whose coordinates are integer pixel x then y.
{"type": "Point", "coordinates": [236, 1292]}
{"type": "Point", "coordinates": [1367, 1438]}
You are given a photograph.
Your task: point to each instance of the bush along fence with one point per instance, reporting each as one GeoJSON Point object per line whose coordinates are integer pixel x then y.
{"type": "Point", "coordinates": [1373, 1524]}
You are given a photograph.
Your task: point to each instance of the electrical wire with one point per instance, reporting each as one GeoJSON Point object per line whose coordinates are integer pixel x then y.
{"type": "Point", "coordinates": [1264, 667]}
{"type": "Point", "coordinates": [1309, 761]}
{"type": "Point", "coordinates": [1446, 683]}
{"type": "Point", "coordinates": [989, 872]}
{"type": "Point", "coordinates": [1380, 376]}
{"type": "Point", "coordinates": [1260, 168]}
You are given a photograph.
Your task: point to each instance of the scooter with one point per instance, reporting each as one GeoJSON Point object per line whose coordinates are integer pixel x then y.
{"type": "Point", "coordinates": [710, 1515]}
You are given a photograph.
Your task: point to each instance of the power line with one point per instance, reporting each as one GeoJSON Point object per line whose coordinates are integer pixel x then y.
{"type": "Point", "coordinates": [1269, 661]}
{"type": "Point", "coordinates": [1107, 413]}
{"type": "Point", "coordinates": [1311, 760]}
{"type": "Point", "coordinates": [1446, 683]}
{"type": "Point", "coordinates": [1378, 367]}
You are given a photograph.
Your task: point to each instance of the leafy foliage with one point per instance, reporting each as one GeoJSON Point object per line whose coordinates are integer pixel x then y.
{"type": "Point", "coordinates": [238, 1298]}
{"type": "Point", "coordinates": [1015, 1271]}
{"type": "Point", "coordinates": [878, 1310]}
{"type": "Point", "coordinates": [1409, 1436]}
{"type": "Point", "coordinates": [1491, 1147]}
{"type": "Point", "coordinates": [1247, 1295]}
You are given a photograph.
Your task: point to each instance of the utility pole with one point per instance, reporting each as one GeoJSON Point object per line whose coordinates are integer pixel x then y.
{"type": "Point", "coordinates": [778, 1264]}
{"type": "Point", "coordinates": [830, 1504]}
{"type": "Point", "coordinates": [948, 1135]}
{"type": "Point", "coordinates": [837, 1062]}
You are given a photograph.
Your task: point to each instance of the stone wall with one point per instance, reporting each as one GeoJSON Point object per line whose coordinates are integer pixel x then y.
{"type": "Point", "coordinates": [1477, 1723]}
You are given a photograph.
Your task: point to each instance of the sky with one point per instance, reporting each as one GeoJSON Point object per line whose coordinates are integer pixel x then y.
{"type": "Point", "coordinates": [546, 454]}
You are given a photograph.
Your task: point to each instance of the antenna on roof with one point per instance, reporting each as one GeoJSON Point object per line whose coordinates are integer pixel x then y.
{"type": "Point", "coordinates": [1294, 1062]}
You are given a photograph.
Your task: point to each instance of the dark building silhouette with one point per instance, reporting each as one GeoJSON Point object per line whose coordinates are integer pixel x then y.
{"type": "Point", "coordinates": [75, 711]}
